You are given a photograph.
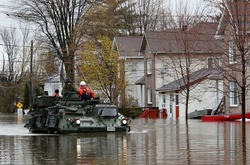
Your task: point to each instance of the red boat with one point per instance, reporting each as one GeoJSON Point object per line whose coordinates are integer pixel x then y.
{"type": "Point", "coordinates": [226, 117]}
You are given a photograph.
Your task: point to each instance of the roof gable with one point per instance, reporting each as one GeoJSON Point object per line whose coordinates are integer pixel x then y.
{"type": "Point", "coordinates": [127, 46]}
{"type": "Point", "coordinates": [194, 78]}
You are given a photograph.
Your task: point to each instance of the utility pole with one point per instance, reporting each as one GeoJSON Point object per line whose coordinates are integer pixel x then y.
{"type": "Point", "coordinates": [31, 74]}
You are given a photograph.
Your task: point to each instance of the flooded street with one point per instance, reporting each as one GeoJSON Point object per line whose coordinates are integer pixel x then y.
{"type": "Point", "coordinates": [161, 141]}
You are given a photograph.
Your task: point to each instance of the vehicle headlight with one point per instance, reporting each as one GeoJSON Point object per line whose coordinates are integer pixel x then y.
{"type": "Point", "coordinates": [70, 120]}
{"type": "Point", "coordinates": [78, 121]}
{"type": "Point", "coordinates": [124, 121]}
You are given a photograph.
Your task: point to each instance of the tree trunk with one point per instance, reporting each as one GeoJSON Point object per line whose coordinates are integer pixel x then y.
{"type": "Point", "coordinates": [187, 99]}
{"type": "Point", "coordinates": [69, 68]}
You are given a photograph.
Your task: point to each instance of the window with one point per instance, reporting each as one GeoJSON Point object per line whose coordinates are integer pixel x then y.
{"type": "Point", "coordinates": [233, 94]}
{"type": "Point", "coordinates": [163, 69]}
{"type": "Point", "coordinates": [231, 53]}
{"type": "Point", "coordinates": [149, 66]}
{"type": "Point", "coordinates": [176, 99]}
{"type": "Point", "coordinates": [213, 62]}
{"type": "Point", "coordinates": [150, 97]}
{"type": "Point", "coordinates": [132, 66]}
{"type": "Point", "coordinates": [164, 101]}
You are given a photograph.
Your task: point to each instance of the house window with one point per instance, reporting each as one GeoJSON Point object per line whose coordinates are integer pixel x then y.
{"type": "Point", "coordinates": [150, 96]}
{"type": "Point", "coordinates": [176, 99]}
{"type": "Point", "coordinates": [164, 101]}
{"type": "Point", "coordinates": [149, 66]}
{"type": "Point", "coordinates": [133, 66]}
{"type": "Point", "coordinates": [233, 93]}
{"type": "Point", "coordinates": [231, 53]}
{"type": "Point", "coordinates": [213, 62]}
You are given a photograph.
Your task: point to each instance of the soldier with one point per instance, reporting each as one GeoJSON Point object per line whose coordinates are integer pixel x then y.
{"type": "Point", "coordinates": [40, 89]}
{"type": "Point", "coordinates": [68, 87]}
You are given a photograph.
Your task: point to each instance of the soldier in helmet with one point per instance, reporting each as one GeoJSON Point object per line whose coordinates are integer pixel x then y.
{"type": "Point", "coordinates": [68, 87]}
{"type": "Point", "coordinates": [40, 89]}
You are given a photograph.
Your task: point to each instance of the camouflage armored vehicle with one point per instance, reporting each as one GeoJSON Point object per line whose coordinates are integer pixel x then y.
{"type": "Point", "coordinates": [70, 114]}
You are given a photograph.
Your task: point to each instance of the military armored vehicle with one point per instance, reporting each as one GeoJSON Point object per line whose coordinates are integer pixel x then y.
{"type": "Point", "coordinates": [69, 114]}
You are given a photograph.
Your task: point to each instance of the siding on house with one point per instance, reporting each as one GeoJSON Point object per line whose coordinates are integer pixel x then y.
{"type": "Point", "coordinates": [158, 52]}
{"type": "Point", "coordinates": [170, 49]}
{"type": "Point", "coordinates": [205, 92]}
{"type": "Point", "coordinates": [238, 13]}
{"type": "Point", "coordinates": [128, 50]}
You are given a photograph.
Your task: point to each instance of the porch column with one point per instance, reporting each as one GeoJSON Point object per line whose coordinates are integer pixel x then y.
{"type": "Point", "coordinates": [177, 106]}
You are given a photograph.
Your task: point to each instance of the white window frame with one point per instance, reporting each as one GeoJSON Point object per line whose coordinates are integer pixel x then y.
{"type": "Point", "coordinates": [231, 53]}
{"type": "Point", "coordinates": [233, 94]}
{"type": "Point", "coordinates": [150, 96]}
{"type": "Point", "coordinates": [149, 66]}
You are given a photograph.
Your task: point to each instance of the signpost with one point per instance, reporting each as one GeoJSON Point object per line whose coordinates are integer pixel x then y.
{"type": "Point", "coordinates": [19, 110]}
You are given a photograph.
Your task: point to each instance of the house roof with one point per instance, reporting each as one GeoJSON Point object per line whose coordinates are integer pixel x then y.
{"type": "Point", "coordinates": [195, 77]}
{"type": "Point", "coordinates": [199, 38]}
{"type": "Point", "coordinates": [128, 46]}
{"type": "Point", "coordinates": [141, 81]}
{"type": "Point", "coordinates": [238, 12]}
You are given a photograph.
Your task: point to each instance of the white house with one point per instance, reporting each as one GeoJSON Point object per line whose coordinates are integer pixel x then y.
{"type": "Point", "coordinates": [206, 87]}
{"type": "Point", "coordinates": [168, 53]}
{"type": "Point", "coordinates": [128, 50]}
{"type": "Point", "coordinates": [52, 83]}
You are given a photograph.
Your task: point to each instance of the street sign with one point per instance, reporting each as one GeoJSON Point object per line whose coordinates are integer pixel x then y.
{"type": "Point", "coordinates": [19, 105]}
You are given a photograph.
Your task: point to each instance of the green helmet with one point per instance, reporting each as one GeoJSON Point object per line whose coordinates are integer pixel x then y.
{"type": "Point", "coordinates": [41, 84]}
{"type": "Point", "coordinates": [67, 81]}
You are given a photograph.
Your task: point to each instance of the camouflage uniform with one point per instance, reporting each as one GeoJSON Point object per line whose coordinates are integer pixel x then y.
{"type": "Point", "coordinates": [68, 87]}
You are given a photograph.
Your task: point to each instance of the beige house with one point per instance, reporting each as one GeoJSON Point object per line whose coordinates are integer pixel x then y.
{"type": "Point", "coordinates": [234, 31]}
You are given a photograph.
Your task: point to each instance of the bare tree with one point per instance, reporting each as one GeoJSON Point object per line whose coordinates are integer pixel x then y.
{"type": "Point", "coordinates": [153, 15]}
{"type": "Point", "coordinates": [139, 16]}
{"type": "Point", "coordinates": [235, 32]}
{"type": "Point", "coordinates": [14, 67]}
{"type": "Point", "coordinates": [191, 37]}
{"type": "Point", "coordinates": [60, 22]}
{"type": "Point", "coordinates": [9, 37]}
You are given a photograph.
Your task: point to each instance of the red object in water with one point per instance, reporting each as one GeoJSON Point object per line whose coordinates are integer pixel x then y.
{"type": "Point", "coordinates": [154, 113]}
{"type": "Point", "coordinates": [229, 117]}
{"type": "Point", "coordinates": [150, 113]}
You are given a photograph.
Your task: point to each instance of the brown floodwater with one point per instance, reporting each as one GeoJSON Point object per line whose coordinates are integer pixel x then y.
{"type": "Point", "coordinates": [150, 142]}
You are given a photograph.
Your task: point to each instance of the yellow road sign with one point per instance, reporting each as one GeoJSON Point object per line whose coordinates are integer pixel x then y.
{"type": "Point", "coordinates": [19, 105]}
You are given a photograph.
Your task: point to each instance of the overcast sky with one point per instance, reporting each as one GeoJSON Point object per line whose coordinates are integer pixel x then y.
{"type": "Point", "coordinates": [5, 20]}
{"type": "Point", "coordinates": [8, 22]}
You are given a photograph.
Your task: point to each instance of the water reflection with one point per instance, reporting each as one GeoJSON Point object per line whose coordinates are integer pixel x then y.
{"type": "Point", "coordinates": [150, 142]}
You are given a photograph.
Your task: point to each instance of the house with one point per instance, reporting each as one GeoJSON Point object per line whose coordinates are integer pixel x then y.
{"type": "Point", "coordinates": [52, 83]}
{"type": "Point", "coordinates": [167, 55]}
{"type": "Point", "coordinates": [206, 86]}
{"type": "Point", "coordinates": [233, 30]}
{"type": "Point", "coordinates": [128, 50]}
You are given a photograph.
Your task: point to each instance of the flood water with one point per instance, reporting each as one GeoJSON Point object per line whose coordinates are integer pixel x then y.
{"type": "Point", "coordinates": [160, 141]}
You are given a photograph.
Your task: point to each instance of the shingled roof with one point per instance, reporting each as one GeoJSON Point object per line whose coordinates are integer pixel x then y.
{"type": "Point", "coordinates": [141, 81]}
{"type": "Point", "coordinates": [128, 46]}
{"type": "Point", "coordinates": [194, 78]}
{"type": "Point", "coordinates": [199, 38]}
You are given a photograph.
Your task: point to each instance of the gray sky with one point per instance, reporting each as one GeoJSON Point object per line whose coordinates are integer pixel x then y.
{"type": "Point", "coordinates": [8, 22]}
{"type": "Point", "coordinates": [5, 20]}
